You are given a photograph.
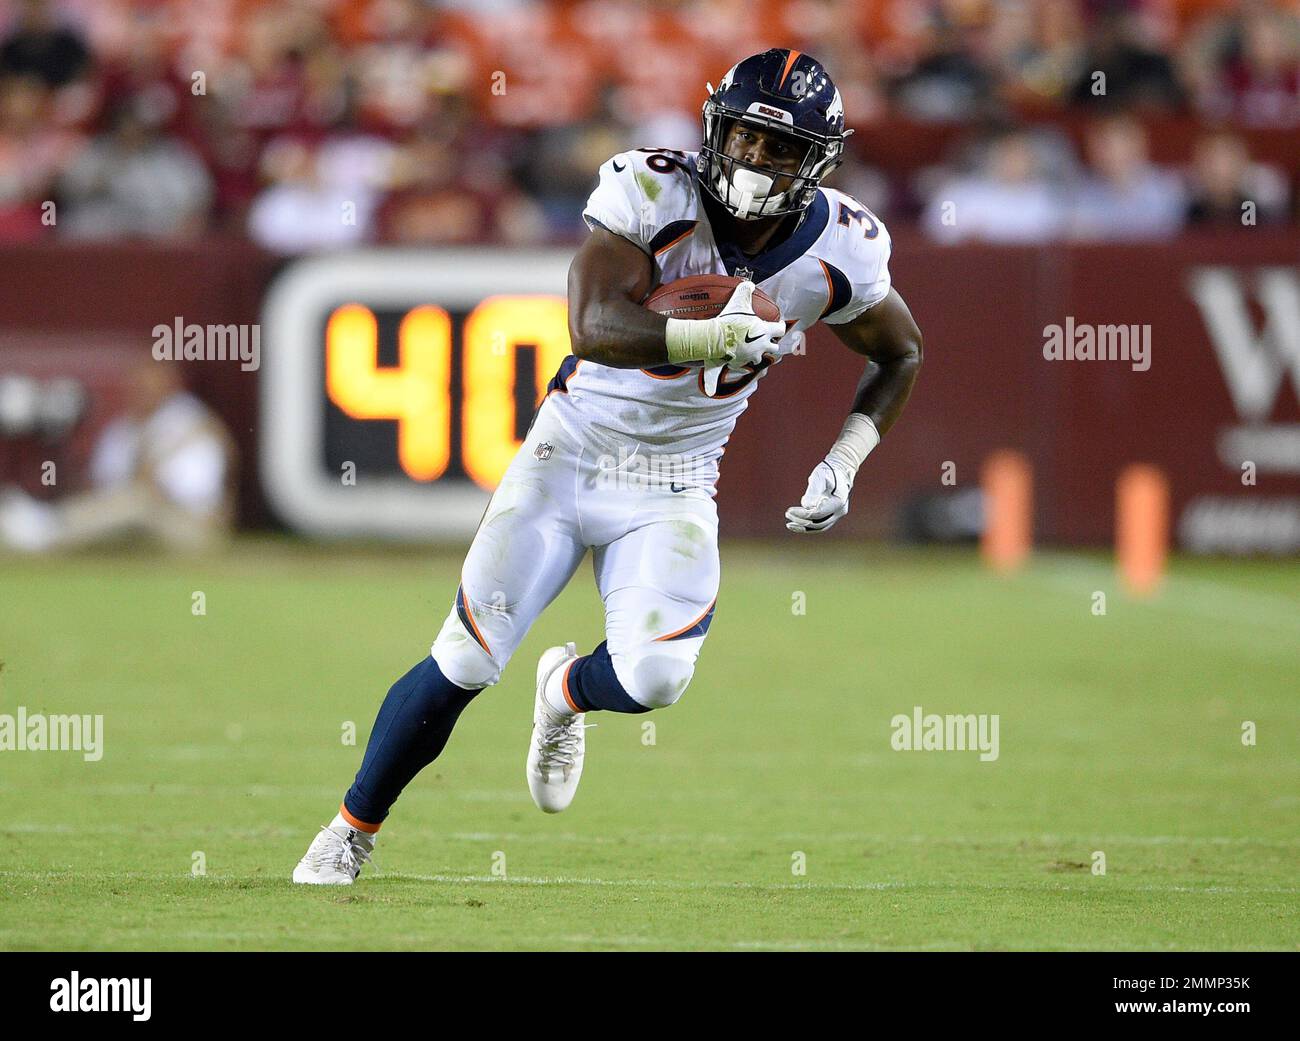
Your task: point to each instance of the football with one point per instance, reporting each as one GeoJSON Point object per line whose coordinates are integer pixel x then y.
{"type": "Point", "coordinates": [703, 296]}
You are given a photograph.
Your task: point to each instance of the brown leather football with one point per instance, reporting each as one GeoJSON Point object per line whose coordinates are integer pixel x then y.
{"type": "Point", "coordinates": [703, 296]}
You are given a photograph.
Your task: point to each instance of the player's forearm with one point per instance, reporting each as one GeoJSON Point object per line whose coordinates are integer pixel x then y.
{"type": "Point", "coordinates": [885, 387]}
{"type": "Point", "coordinates": [882, 393]}
{"type": "Point", "coordinates": [620, 334]}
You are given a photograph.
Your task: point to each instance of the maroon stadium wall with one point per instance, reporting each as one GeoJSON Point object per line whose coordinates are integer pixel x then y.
{"type": "Point", "coordinates": [1218, 409]}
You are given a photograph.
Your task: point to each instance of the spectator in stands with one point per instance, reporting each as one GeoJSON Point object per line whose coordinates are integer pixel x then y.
{"type": "Point", "coordinates": [231, 154]}
{"type": "Point", "coordinates": [33, 154]}
{"type": "Point", "coordinates": [1124, 195]}
{"type": "Point", "coordinates": [1228, 190]}
{"type": "Point", "coordinates": [298, 211]}
{"type": "Point", "coordinates": [322, 195]}
{"type": "Point", "coordinates": [1037, 49]}
{"type": "Point", "coordinates": [147, 76]}
{"type": "Point", "coordinates": [444, 193]}
{"type": "Point", "coordinates": [39, 47]}
{"type": "Point", "coordinates": [269, 85]}
{"type": "Point", "coordinates": [948, 83]}
{"type": "Point", "coordinates": [1119, 69]}
{"type": "Point", "coordinates": [163, 470]}
{"type": "Point", "coordinates": [302, 100]}
{"type": "Point", "coordinates": [401, 59]}
{"type": "Point", "coordinates": [135, 182]}
{"type": "Point", "coordinates": [1008, 198]}
{"type": "Point", "coordinates": [1260, 85]}
{"type": "Point", "coordinates": [563, 161]}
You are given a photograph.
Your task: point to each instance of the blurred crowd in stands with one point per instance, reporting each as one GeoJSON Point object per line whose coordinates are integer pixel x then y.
{"type": "Point", "coordinates": [311, 124]}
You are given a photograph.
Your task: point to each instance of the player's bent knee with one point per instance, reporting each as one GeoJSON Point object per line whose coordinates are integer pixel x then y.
{"type": "Point", "coordinates": [659, 680]}
{"type": "Point", "coordinates": [466, 666]}
{"type": "Point", "coordinates": [461, 658]}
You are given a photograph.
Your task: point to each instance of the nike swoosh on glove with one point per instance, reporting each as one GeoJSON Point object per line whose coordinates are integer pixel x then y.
{"type": "Point", "coordinates": [747, 337]}
{"type": "Point", "coordinates": [825, 501]}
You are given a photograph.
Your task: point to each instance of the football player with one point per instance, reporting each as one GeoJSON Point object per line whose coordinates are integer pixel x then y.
{"type": "Point", "coordinates": [622, 455]}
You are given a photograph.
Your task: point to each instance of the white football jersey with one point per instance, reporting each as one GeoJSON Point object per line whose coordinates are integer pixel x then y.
{"type": "Point", "coordinates": [834, 266]}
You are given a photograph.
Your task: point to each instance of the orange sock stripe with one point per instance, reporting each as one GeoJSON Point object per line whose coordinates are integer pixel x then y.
{"type": "Point", "coordinates": [360, 825]}
{"type": "Point", "coordinates": [564, 687]}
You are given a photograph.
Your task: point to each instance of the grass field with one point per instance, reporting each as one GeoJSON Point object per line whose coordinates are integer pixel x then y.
{"type": "Point", "coordinates": [1118, 733]}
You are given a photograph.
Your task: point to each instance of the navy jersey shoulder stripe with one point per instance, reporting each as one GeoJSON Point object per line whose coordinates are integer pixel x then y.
{"type": "Point", "coordinates": [671, 234]}
{"type": "Point", "coordinates": [839, 291]}
{"type": "Point", "coordinates": [560, 381]}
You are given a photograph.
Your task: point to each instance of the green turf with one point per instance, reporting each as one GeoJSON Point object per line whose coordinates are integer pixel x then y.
{"type": "Point", "coordinates": [1118, 734]}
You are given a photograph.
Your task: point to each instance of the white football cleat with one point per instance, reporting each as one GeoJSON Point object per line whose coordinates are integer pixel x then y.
{"type": "Point", "coordinates": [334, 857]}
{"type": "Point", "coordinates": [559, 741]}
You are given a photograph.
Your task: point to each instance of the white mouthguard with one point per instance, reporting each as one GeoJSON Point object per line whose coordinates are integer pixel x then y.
{"type": "Point", "coordinates": [747, 188]}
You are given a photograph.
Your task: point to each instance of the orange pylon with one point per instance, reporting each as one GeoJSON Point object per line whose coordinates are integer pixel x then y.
{"type": "Point", "coordinates": [1008, 483]}
{"type": "Point", "coordinates": [1141, 527]}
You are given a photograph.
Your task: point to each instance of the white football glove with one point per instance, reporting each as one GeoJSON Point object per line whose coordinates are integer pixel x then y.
{"type": "Point", "coordinates": [825, 501]}
{"type": "Point", "coordinates": [790, 343]}
{"type": "Point", "coordinates": [748, 337]}
{"type": "Point", "coordinates": [736, 337]}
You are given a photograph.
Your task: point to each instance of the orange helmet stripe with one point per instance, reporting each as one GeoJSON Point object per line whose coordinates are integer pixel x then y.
{"type": "Point", "coordinates": [789, 64]}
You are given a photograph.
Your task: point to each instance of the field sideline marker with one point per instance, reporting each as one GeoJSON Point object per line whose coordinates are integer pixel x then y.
{"type": "Point", "coordinates": [1142, 527]}
{"type": "Point", "coordinates": [1008, 483]}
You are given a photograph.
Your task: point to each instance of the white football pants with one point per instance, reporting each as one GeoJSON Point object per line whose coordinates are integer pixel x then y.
{"type": "Point", "coordinates": [655, 552]}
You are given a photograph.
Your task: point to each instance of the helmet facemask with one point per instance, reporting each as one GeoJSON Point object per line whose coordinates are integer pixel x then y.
{"type": "Point", "coordinates": [752, 192]}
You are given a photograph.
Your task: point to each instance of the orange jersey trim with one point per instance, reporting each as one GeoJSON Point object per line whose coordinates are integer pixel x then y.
{"type": "Point", "coordinates": [667, 246]}
{"type": "Point", "coordinates": [690, 625]}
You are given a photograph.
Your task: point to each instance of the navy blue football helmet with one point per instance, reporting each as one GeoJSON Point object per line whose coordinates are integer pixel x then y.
{"type": "Point", "coordinates": [780, 90]}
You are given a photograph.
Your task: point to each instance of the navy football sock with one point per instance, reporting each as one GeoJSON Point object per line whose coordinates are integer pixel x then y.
{"type": "Point", "coordinates": [410, 732]}
{"type": "Point", "coordinates": [593, 684]}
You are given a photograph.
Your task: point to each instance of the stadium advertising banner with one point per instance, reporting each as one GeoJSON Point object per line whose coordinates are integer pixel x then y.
{"type": "Point", "coordinates": [398, 386]}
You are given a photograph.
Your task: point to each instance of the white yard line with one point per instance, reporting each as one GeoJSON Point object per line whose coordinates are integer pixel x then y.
{"type": "Point", "coordinates": [812, 839]}
{"type": "Point", "coordinates": [1181, 594]}
{"type": "Point", "coordinates": [686, 839]}
{"type": "Point", "coordinates": [684, 886]}
{"type": "Point", "coordinates": [815, 887]}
